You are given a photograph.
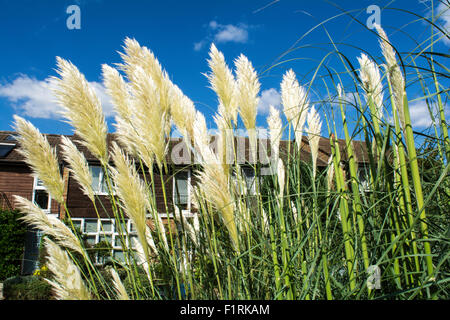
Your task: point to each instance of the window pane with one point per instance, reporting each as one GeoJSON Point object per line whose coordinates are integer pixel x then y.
{"type": "Point", "coordinates": [132, 227]}
{"type": "Point", "coordinates": [106, 226]}
{"type": "Point", "coordinates": [5, 149]}
{"type": "Point", "coordinates": [103, 185]}
{"type": "Point", "coordinates": [181, 194]}
{"type": "Point", "coordinates": [41, 199]}
{"type": "Point", "coordinates": [133, 240]}
{"type": "Point", "coordinates": [249, 176]}
{"type": "Point", "coordinates": [120, 227]}
{"type": "Point", "coordinates": [95, 172]}
{"type": "Point", "coordinates": [363, 178]}
{"type": "Point", "coordinates": [90, 225]}
{"type": "Point", "coordinates": [106, 238]}
{"type": "Point", "coordinates": [118, 241]}
{"type": "Point", "coordinates": [118, 255]}
{"type": "Point", "coordinates": [77, 224]}
{"type": "Point", "coordinates": [91, 240]}
{"type": "Point", "coordinates": [39, 183]}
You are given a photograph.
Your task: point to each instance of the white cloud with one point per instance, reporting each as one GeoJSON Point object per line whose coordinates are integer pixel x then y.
{"type": "Point", "coordinates": [441, 17]}
{"type": "Point", "coordinates": [420, 115]}
{"type": "Point", "coordinates": [34, 98]}
{"type": "Point", "coordinates": [269, 97]}
{"type": "Point", "coordinates": [229, 32]}
{"type": "Point", "coordinates": [199, 45]}
{"type": "Point", "coordinates": [223, 33]}
{"type": "Point", "coordinates": [443, 12]}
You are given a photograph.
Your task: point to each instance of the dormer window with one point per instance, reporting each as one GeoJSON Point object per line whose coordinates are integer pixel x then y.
{"type": "Point", "coordinates": [99, 184]}
{"type": "Point", "coordinates": [5, 149]}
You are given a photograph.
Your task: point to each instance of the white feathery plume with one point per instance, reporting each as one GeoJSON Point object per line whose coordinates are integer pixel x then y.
{"type": "Point", "coordinates": [213, 180]}
{"type": "Point", "coordinates": [82, 108]}
{"type": "Point", "coordinates": [247, 96]}
{"type": "Point", "coordinates": [275, 131]}
{"type": "Point", "coordinates": [314, 128]}
{"type": "Point", "coordinates": [127, 133]}
{"type": "Point", "coordinates": [78, 166]}
{"type": "Point", "coordinates": [140, 57]}
{"type": "Point", "coordinates": [151, 90]}
{"type": "Point", "coordinates": [49, 225]}
{"type": "Point", "coordinates": [119, 91]}
{"type": "Point", "coordinates": [40, 156]}
{"type": "Point", "coordinates": [133, 141]}
{"type": "Point", "coordinates": [224, 143]}
{"type": "Point", "coordinates": [150, 121]}
{"type": "Point", "coordinates": [201, 138]}
{"type": "Point", "coordinates": [67, 282]}
{"type": "Point", "coordinates": [183, 113]}
{"type": "Point", "coordinates": [223, 83]}
{"type": "Point", "coordinates": [295, 104]}
{"type": "Point", "coordinates": [140, 257]}
{"type": "Point", "coordinates": [395, 74]}
{"type": "Point", "coordinates": [373, 88]}
{"type": "Point", "coordinates": [130, 190]}
{"type": "Point", "coordinates": [118, 285]}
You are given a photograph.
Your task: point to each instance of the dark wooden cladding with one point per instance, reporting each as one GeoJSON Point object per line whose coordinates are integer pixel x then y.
{"type": "Point", "coordinates": [80, 206]}
{"type": "Point", "coordinates": [16, 180]}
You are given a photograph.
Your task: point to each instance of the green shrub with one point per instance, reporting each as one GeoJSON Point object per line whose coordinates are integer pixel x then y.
{"type": "Point", "coordinates": [12, 239]}
{"type": "Point", "coordinates": [27, 288]}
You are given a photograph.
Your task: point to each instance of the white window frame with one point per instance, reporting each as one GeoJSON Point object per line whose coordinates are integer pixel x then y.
{"type": "Point", "coordinates": [186, 212]}
{"type": "Point", "coordinates": [113, 233]}
{"type": "Point", "coordinates": [239, 187]}
{"type": "Point", "coordinates": [37, 187]}
{"type": "Point", "coordinates": [100, 180]}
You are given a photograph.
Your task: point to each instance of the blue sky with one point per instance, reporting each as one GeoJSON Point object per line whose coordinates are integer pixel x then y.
{"type": "Point", "coordinates": [33, 33]}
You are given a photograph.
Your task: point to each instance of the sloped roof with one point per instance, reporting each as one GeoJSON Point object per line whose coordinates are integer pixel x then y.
{"type": "Point", "coordinates": [324, 148]}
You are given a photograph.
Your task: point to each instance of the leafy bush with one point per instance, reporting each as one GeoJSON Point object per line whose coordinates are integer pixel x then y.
{"type": "Point", "coordinates": [27, 288]}
{"type": "Point", "coordinates": [12, 239]}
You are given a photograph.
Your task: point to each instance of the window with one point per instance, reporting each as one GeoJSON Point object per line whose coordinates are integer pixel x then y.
{"type": "Point", "coordinates": [363, 176]}
{"type": "Point", "coordinates": [98, 180]}
{"type": "Point", "coordinates": [5, 148]}
{"type": "Point", "coordinates": [40, 195]}
{"type": "Point", "coordinates": [181, 190]}
{"type": "Point", "coordinates": [248, 186]}
{"type": "Point", "coordinates": [109, 230]}
{"type": "Point", "coordinates": [11, 137]}
{"type": "Point", "coordinates": [249, 177]}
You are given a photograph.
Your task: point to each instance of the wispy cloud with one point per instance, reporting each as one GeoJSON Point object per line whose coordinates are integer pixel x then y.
{"type": "Point", "coordinates": [443, 14]}
{"type": "Point", "coordinates": [34, 98]}
{"type": "Point", "coordinates": [223, 33]}
{"type": "Point", "coordinates": [420, 114]}
{"type": "Point", "coordinates": [269, 97]}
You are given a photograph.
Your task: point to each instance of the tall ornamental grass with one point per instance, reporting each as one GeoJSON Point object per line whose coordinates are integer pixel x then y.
{"type": "Point", "coordinates": [300, 231]}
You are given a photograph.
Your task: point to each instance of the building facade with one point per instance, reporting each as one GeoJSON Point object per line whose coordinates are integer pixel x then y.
{"type": "Point", "coordinates": [16, 178]}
